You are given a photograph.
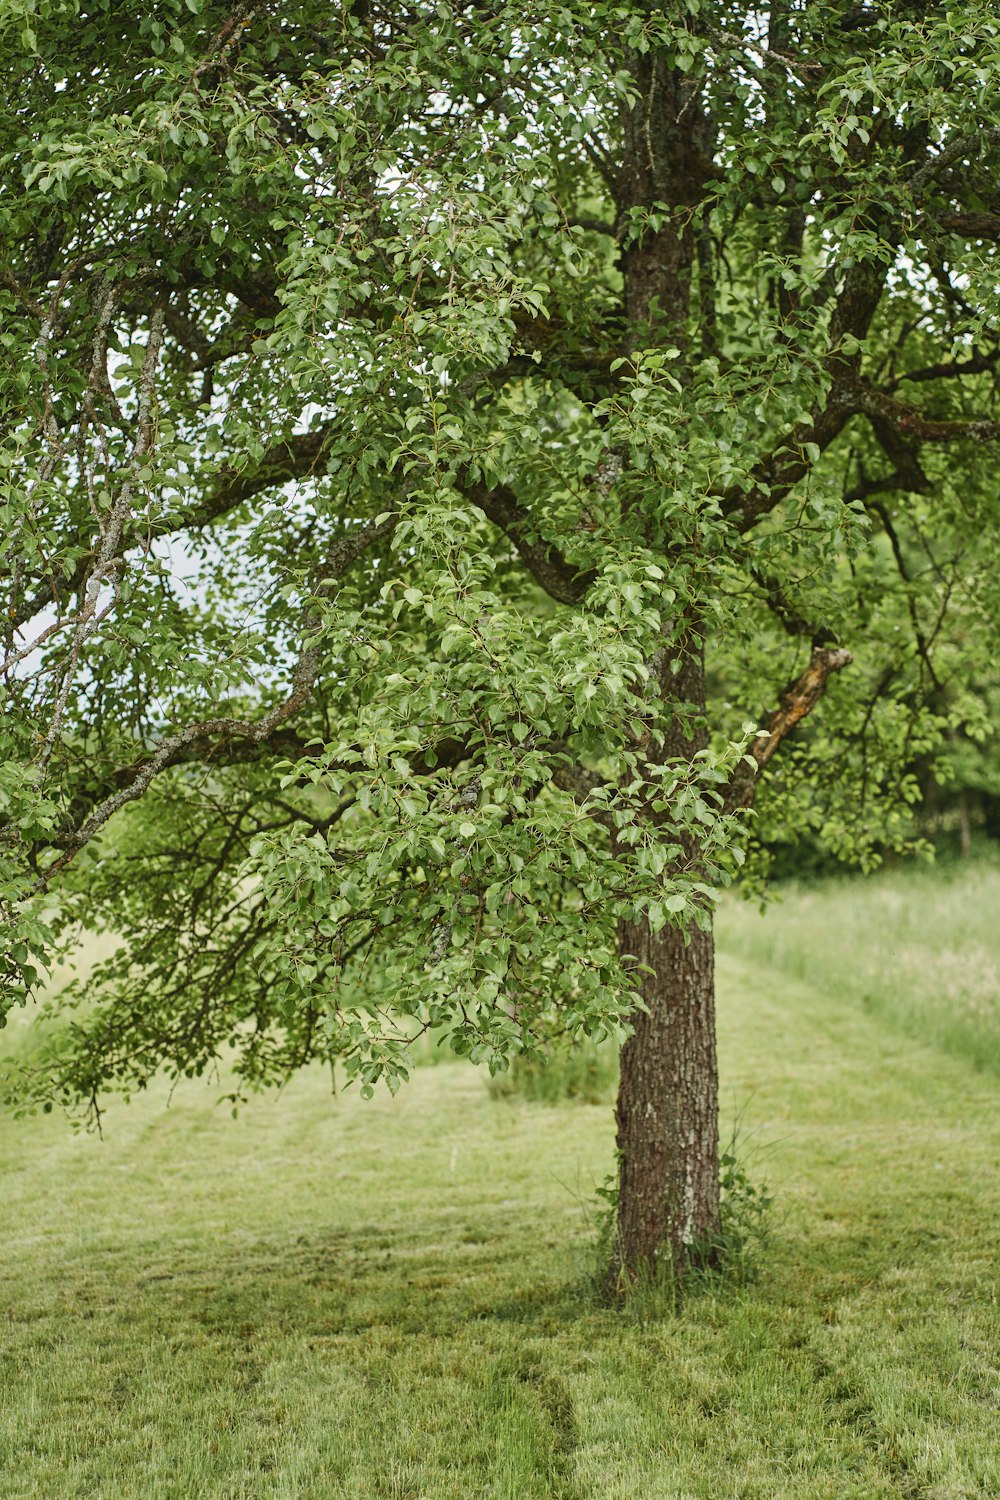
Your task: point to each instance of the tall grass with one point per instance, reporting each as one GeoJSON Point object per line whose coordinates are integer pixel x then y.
{"type": "Point", "coordinates": [919, 947]}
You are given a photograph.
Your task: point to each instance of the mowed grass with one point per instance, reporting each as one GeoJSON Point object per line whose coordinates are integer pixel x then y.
{"type": "Point", "coordinates": [389, 1301]}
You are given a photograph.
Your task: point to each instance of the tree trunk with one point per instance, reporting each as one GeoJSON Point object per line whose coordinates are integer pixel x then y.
{"type": "Point", "coordinates": [964, 826]}
{"type": "Point", "coordinates": [668, 1105]}
{"type": "Point", "coordinates": [667, 1111]}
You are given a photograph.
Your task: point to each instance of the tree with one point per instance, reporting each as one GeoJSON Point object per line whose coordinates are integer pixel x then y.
{"type": "Point", "coordinates": [448, 449]}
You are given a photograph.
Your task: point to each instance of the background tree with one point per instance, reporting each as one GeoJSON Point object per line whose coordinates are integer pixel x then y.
{"type": "Point", "coordinates": [434, 436]}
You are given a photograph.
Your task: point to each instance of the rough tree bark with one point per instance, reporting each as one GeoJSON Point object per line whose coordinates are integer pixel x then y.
{"type": "Point", "coordinates": [667, 1110]}
{"type": "Point", "coordinates": [668, 1105]}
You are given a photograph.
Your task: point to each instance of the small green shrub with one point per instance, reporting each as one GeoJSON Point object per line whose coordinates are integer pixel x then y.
{"type": "Point", "coordinates": [586, 1072]}
{"type": "Point", "coordinates": [746, 1218]}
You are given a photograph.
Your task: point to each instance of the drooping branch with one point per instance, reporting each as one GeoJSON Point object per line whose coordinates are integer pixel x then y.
{"type": "Point", "coordinates": [922, 643]}
{"type": "Point", "coordinates": [798, 699]}
{"type": "Point", "coordinates": [174, 748]}
{"type": "Point", "coordinates": [787, 613]}
{"type": "Point", "coordinates": [171, 750]}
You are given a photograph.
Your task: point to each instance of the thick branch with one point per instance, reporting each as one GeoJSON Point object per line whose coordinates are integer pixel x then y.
{"type": "Point", "coordinates": [971, 226]}
{"type": "Point", "coordinates": [296, 457]}
{"type": "Point", "coordinates": [910, 423]}
{"type": "Point", "coordinates": [789, 462]}
{"type": "Point", "coordinates": [948, 369]}
{"type": "Point", "coordinates": [953, 151]}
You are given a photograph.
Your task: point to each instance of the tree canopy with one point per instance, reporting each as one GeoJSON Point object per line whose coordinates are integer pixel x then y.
{"type": "Point", "coordinates": [399, 399]}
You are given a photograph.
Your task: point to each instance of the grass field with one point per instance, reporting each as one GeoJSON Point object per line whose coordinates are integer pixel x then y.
{"type": "Point", "coordinates": [389, 1301]}
{"type": "Point", "coordinates": [919, 947]}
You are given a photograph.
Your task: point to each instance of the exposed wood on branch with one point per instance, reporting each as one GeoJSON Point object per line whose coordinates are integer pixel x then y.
{"type": "Point", "coordinates": [798, 699]}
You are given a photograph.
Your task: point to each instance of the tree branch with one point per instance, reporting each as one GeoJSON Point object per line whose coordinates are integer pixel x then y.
{"type": "Point", "coordinates": [923, 645]}
{"type": "Point", "coordinates": [294, 457]}
{"type": "Point", "coordinates": [558, 577]}
{"type": "Point", "coordinates": [798, 699]}
{"type": "Point", "coordinates": [777, 475]}
{"type": "Point", "coordinates": [951, 152]}
{"type": "Point", "coordinates": [173, 748]}
{"type": "Point", "coordinates": [948, 369]}
{"type": "Point", "coordinates": [911, 423]}
{"type": "Point", "coordinates": [787, 614]}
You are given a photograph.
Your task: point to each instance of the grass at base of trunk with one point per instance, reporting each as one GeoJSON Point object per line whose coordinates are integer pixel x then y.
{"type": "Point", "coordinates": [389, 1301]}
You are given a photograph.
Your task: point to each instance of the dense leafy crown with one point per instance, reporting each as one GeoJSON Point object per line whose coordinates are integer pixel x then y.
{"type": "Point", "coordinates": [383, 428]}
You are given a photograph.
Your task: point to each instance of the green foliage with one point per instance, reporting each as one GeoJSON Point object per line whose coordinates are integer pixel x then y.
{"type": "Point", "coordinates": [738, 1259]}
{"type": "Point", "coordinates": [364, 494]}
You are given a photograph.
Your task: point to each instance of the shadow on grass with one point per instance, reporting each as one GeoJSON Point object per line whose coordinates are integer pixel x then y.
{"type": "Point", "coordinates": [343, 1284]}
